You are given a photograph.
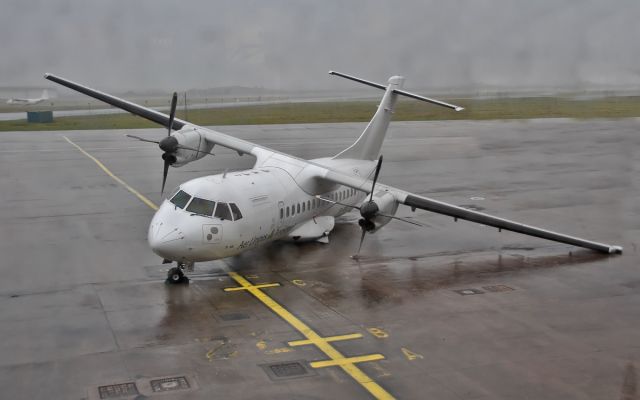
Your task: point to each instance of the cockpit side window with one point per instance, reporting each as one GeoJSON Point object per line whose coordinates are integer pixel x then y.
{"type": "Point", "coordinates": [222, 211]}
{"type": "Point", "coordinates": [201, 206]}
{"type": "Point", "coordinates": [180, 199]}
{"type": "Point", "coordinates": [235, 211]}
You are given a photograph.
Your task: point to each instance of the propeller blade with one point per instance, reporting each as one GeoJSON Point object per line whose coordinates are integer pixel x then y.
{"type": "Point", "coordinates": [357, 255]}
{"type": "Point", "coordinates": [375, 177]}
{"type": "Point", "coordinates": [172, 114]}
{"type": "Point", "coordinates": [164, 174]}
{"type": "Point", "coordinates": [142, 139]}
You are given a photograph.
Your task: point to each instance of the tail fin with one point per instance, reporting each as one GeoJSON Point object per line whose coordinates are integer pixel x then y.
{"type": "Point", "coordinates": [368, 145]}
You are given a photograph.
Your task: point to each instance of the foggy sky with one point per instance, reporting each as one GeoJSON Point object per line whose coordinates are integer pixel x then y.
{"type": "Point", "coordinates": [289, 44]}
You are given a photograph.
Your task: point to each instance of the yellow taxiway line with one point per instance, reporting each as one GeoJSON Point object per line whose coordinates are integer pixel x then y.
{"type": "Point", "coordinates": [328, 339]}
{"type": "Point", "coordinates": [139, 195]}
{"type": "Point", "coordinates": [348, 364]}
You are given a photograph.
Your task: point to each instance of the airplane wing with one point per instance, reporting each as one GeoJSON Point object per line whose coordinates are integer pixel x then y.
{"type": "Point", "coordinates": [425, 203]}
{"type": "Point", "coordinates": [239, 145]}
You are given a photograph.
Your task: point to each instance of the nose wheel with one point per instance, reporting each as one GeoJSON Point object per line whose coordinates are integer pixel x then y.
{"type": "Point", "coordinates": [176, 275]}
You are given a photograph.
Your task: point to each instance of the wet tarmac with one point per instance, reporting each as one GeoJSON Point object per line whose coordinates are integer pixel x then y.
{"type": "Point", "coordinates": [458, 311]}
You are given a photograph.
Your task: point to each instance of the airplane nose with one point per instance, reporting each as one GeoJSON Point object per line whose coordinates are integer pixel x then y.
{"type": "Point", "coordinates": [166, 240]}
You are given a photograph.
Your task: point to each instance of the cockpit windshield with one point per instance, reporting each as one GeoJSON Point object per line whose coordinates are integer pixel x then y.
{"type": "Point", "coordinates": [235, 211]}
{"type": "Point", "coordinates": [222, 211]}
{"type": "Point", "coordinates": [180, 199]}
{"type": "Point", "coordinates": [201, 206]}
{"type": "Point", "coordinates": [196, 205]}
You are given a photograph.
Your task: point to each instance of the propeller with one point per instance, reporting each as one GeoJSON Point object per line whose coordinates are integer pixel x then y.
{"type": "Point", "coordinates": [169, 144]}
{"type": "Point", "coordinates": [369, 210]}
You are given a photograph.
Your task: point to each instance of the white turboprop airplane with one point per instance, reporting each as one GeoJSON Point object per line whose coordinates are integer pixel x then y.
{"type": "Point", "coordinates": [284, 197]}
{"type": "Point", "coordinates": [30, 102]}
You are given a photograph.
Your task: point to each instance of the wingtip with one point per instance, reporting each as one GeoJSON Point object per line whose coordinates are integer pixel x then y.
{"type": "Point", "coordinates": [332, 72]}
{"type": "Point", "coordinates": [615, 250]}
{"type": "Point", "coordinates": [46, 75]}
{"type": "Point", "coordinates": [459, 108]}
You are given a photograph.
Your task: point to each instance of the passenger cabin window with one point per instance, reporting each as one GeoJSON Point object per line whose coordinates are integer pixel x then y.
{"type": "Point", "coordinates": [235, 211]}
{"type": "Point", "coordinates": [180, 199]}
{"type": "Point", "coordinates": [201, 206]}
{"type": "Point", "coordinates": [222, 212]}
{"type": "Point", "coordinates": [287, 211]}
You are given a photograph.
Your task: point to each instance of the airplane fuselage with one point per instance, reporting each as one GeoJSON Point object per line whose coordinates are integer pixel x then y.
{"type": "Point", "coordinates": [270, 205]}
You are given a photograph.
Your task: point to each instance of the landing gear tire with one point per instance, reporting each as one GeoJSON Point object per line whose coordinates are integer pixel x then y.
{"type": "Point", "coordinates": [175, 275]}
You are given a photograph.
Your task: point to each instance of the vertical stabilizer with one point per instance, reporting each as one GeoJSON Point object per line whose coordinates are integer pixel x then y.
{"type": "Point", "coordinates": [368, 145]}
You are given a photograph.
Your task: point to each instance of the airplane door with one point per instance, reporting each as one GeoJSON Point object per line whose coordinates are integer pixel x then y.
{"type": "Point", "coordinates": [211, 233]}
{"type": "Point", "coordinates": [280, 216]}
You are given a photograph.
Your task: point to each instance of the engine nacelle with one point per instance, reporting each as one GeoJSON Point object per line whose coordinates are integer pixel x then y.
{"type": "Point", "coordinates": [190, 137]}
{"type": "Point", "coordinates": [386, 204]}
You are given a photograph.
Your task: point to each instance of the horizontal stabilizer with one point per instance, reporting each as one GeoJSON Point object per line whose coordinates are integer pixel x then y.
{"type": "Point", "coordinates": [398, 91]}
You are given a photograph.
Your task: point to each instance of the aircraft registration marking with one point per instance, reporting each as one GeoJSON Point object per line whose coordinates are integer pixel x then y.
{"type": "Point", "coordinates": [348, 364]}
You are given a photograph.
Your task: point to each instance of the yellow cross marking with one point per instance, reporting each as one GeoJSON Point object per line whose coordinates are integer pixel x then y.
{"type": "Point", "coordinates": [260, 286]}
{"type": "Point", "coordinates": [349, 360]}
{"type": "Point", "coordinates": [327, 339]}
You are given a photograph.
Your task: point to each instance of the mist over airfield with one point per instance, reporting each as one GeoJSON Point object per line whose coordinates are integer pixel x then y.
{"type": "Point", "coordinates": [290, 44]}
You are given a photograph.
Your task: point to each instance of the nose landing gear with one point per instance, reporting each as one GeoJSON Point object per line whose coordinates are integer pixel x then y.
{"type": "Point", "coordinates": [176, 275]}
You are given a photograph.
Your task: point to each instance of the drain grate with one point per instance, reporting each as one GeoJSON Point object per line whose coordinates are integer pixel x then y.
{"type": "Point", "coordinates": [468, 292]}
{"type": "Point", "coordinates": [234, 316]}
{"type": "Point", "coordinates": [497, 288]}
{"type": "Point", "coordinates": [169, 384]}
{"type": "Point", "coordinates": [118, 390]}
{"type": "Point", "coordinates": [287, 370]}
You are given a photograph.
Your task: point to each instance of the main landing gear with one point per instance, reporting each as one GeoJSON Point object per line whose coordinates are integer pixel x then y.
{"type": "Point", "coordinates": [176, 274]}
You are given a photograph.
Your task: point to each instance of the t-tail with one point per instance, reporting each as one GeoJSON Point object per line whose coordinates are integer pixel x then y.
{"type": "Point", "coordinates": [368, 145]}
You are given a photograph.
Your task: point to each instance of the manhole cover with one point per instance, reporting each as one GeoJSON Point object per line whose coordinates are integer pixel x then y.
{"type": "Point", "coordinates": [169, 384]}
{"type": "Point", "coordinates": [118, 390]}
{"type": "Point", "coordinates": [497, 288]}
{"type": "Point", "coordinates": [234, 316]}
{"type": "Point", "coordinates": [287, 370]}
{"type": "Point", "coordinates": [468, 292]}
